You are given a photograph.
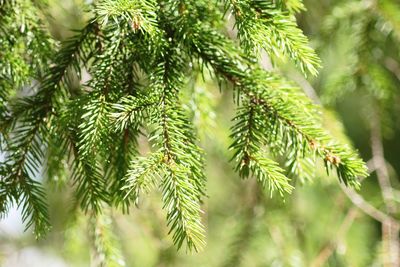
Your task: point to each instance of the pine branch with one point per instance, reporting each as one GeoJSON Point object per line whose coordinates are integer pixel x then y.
{"type": "Point", "coordinates": [29, 196]}
{"type": "Point", "coordinates": [107, 60]}
{"type": "Point", "coordinates": [122, 153]}
{"type": "Point", "coordinates": [127, 117]}
{"type": "Point", "coordinates": [56, 164]}
{"type": "Point", "coordinates": [32, 199]}
{"type": "Point", "coordinates": [24, 162]}
{"type": "Point", "coordinates": [40, 105]}
{"type": "Point", "coordinates": [97, 138]}
{"type": "Point", "coordinates": [143, 174]}
{"type": "Point", "coordinates": [288, 119]}
{"type": "Point", "coordinates": [74, 51]}
{"type": "Point", "coordinates": [140, 15]}
{"type": "Point", "coordinates": [90, 188]}
{"type": "Point", "coordinates": [183, 183]}
{"type": "Point", "coordinates": [93, 130]}
{"type": "Point", "coordinates": [183, 211]}
{"type": "Point", "coordinates": [26, 40]}
{"type": "Point", "coordinates": [25, 51]}
{"type": "Point", "coordinates": [29, 116]}
{"type": "Point", "coordinates": [249, 139]}
{"type": "Point", "coordinates": [261, 25]}
{"type": "Point", "coordinates": [131, 111]}
{"type": "Point", "coordinates": [7, 191]}
{"type": "Point", "coordinates": [87, 174]}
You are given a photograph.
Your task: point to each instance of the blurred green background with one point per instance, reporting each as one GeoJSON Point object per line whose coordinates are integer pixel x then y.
{"type": "Point", "coordinates": [317, 225]}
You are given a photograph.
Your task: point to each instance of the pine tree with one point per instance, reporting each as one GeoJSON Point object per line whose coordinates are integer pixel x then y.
{"type": "Point", "coordinates": [140, 56]}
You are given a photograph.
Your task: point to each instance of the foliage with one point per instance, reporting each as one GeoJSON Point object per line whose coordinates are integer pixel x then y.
{"type": "Point", "coordinates": [372, 71]}
{"type": "Point", "coordinates": [139, 55]}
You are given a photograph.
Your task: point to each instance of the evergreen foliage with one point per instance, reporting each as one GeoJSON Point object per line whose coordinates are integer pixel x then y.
{"type": "Point", "coordinates": [372, 72]}
{"type": "Point", "coordinates": [138, 55]}
{"type": "Point", "coordinates": [373, 51]}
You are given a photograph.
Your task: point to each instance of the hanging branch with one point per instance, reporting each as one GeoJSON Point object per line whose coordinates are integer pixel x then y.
{"type": "Point", "coordinates": [29, 117]}
{"type": "Point", "coordinates": [296, 127]}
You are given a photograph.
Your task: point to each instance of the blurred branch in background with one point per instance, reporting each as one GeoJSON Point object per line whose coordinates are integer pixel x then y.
{"type": "Point", "coordinates": [390, 225]}
{"type": "Point", "coordinates": [247, 219]}
{"type": "Point", "coordinates": [371, 70]}
{"type": "Point", "coordinates": [329, 248]}
{"type": "Point", "coordinates": [367, 208]}
{"type": "Point", "coordinates": [390, 228]}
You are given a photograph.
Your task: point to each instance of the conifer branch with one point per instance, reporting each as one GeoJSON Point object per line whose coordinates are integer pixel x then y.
{"type": "Point", "coordinates": [183, 211]}
{"type": "Point", "coordinates": [93, 129]}
{"type": "Point", "coordinates": [89, 181]}
{"type": "Point", "coordinates": [24, 162]}
{"type": "Point", "coordinates": [143, 174]}
{"type": "Point", "coordinates": [122, 153]}
{"type": "Point", "coordinates": [181, 192]}
{"type": "Point", "coordinates": [87, 174]}
{"type": "Point", "coordinates": [287, 119]}
{"type": "Point", "coordinates": [30, 115]}
{"type": "Point", "coordinates": [261, 25]}
{"type": "Point", "coordinates": [183, 182]}
{"type": "Point", "coordinates": [249, 138]}
{"type": "Point", "coordinates": [130, 111]}
{"type": "Point", "coordinates": [34, 208]}
{"type": "Point", "coordinates": [140, 15]}
{"type": "Point", "coordinates": [126, 117]}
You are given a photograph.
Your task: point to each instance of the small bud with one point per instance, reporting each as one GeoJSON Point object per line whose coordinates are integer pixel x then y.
{"type": "Point", "coordinates": [313, 144]}
{"type": "Point", "coordinates": [329, 158]}
{"type": "Point", "coordinates": [336, 160]}
{"type": "Point", "coordinates": [135, 25]}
